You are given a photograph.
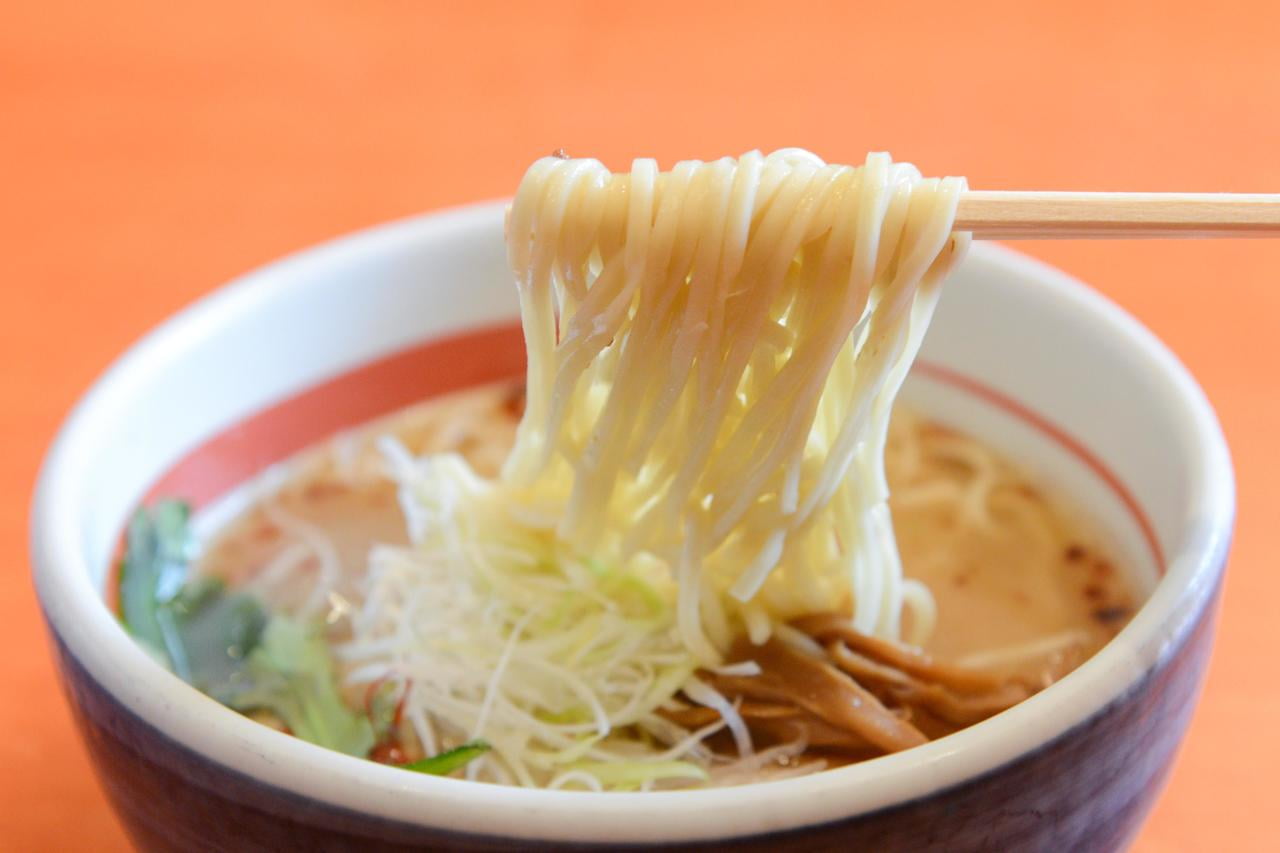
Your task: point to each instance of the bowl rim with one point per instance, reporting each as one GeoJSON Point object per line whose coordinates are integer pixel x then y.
{"type": "Point", "coordinates": [75, 610]}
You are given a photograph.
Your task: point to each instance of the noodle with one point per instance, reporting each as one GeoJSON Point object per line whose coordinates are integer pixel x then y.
{"type": "Point", "coordinates": [713, 355]}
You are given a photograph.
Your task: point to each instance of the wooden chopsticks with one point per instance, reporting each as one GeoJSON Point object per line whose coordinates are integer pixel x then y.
{"type": "Point", "coordinates": [1039, 215]}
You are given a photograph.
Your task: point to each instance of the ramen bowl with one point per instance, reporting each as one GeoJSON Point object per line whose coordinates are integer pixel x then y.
{"type": "Point", "coordinates": [1033, 362]}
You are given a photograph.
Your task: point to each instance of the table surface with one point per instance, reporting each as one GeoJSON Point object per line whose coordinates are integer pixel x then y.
{"type": "Point", "coordinates": [151, 150]}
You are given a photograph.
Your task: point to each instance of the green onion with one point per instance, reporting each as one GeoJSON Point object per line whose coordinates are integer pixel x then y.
{"type": "Point", "coordinates": [631, 774]}
{"type": "Point", "coordinates": [446, 762]}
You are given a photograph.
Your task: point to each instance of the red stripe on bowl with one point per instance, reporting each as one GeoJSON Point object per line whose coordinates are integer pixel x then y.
{"type": "Point", "coordinates": [378, 388]}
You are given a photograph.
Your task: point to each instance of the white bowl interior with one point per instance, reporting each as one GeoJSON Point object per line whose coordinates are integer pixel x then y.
{"type": "Point", "coordinates": [1025, 332]}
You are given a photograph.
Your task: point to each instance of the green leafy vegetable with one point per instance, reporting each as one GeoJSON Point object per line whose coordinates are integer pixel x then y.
{"type": "Point", "coordinates": [213, 631]}
{"type": "Point", "coordinates": [199, 628]}
{"type": "Point", "coordinates": [290, 674]}
{"type": "Point", "coordinates": [157, 550]}
{"type": "Point", "coordinates": [446, 762]}
{"type": "Point", "coordinates": [226, 643]}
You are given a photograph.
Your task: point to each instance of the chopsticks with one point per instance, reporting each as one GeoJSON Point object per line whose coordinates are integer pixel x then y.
{"type": "Point", "coordinates": [1047, 215]}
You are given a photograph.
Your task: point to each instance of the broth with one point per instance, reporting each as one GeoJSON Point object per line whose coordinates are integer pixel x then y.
{"type": "Point", "coordinates": [1042, 592]}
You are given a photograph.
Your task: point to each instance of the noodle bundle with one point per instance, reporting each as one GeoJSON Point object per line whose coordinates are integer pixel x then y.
{"type": "Point", "coordinates": [713, 357]}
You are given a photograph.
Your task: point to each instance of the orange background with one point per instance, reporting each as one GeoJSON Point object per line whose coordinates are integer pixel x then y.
{"type": "Point", "coordinates": [151, 150]}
